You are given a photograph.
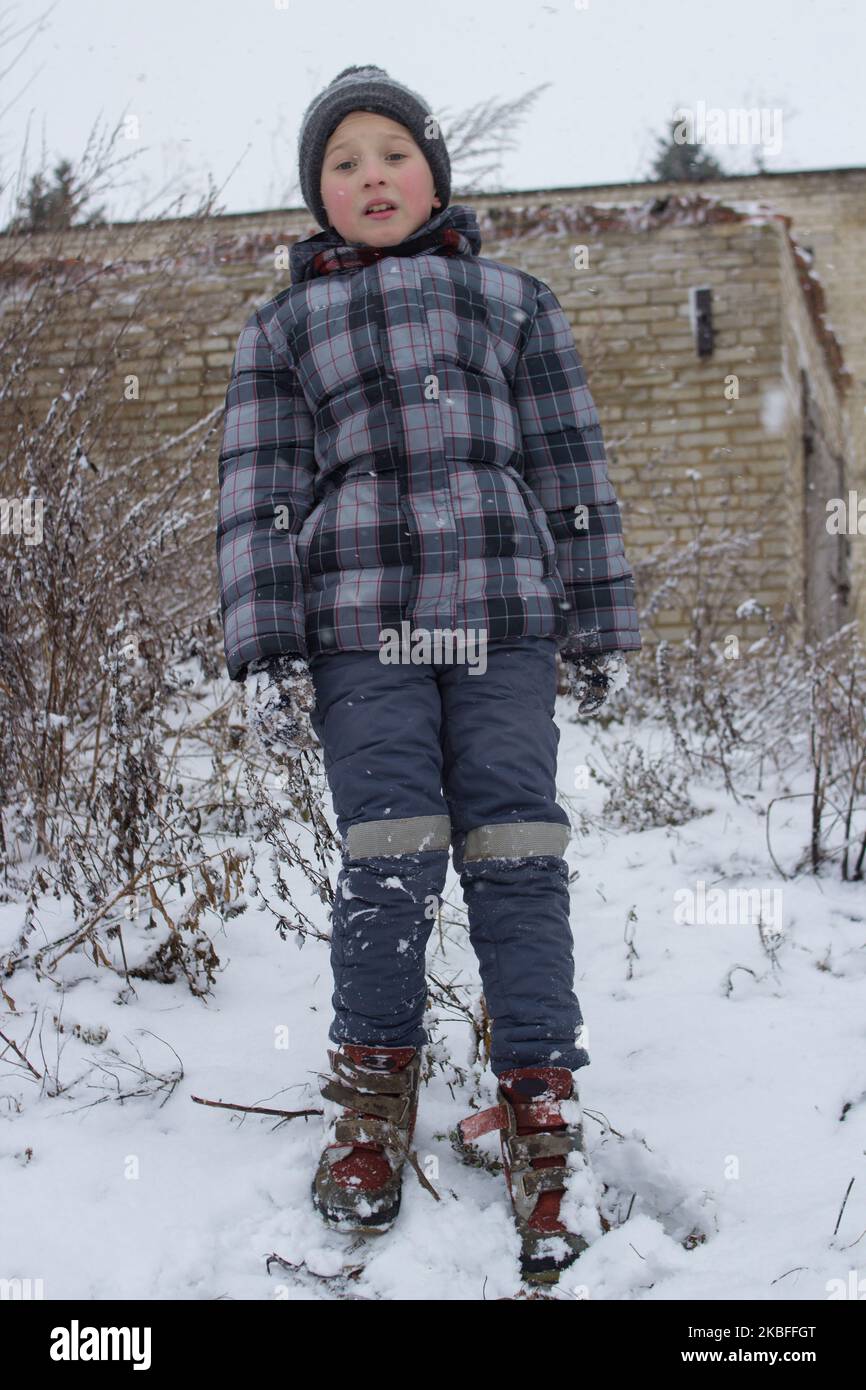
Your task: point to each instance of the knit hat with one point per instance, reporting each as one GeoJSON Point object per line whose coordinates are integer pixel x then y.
{"type": "Point", "coordinates": [366, 88]}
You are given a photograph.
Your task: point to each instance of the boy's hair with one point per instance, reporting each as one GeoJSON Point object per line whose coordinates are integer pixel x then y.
{"type": "Point", "coordinates": [367, 89]}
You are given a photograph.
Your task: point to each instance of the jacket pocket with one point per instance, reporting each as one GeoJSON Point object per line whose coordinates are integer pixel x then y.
{"type": "Point", "coordinates": [306, 533]}
{"type": "Point", "coordinates": [537, 517]}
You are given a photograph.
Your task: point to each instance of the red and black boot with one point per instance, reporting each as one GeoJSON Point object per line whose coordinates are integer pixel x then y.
{"type": "Point", "coordinates": [535, 1139]}
{"type": "Point", "coordinates": [357, 1185]}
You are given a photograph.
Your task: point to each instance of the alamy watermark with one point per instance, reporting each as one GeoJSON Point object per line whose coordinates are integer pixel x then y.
{"type": "Point", "coordinates": [21, 1290]}
{"type": "Point", "coordinates": [22, 516]}
{"type": "Point", "coordinates": [846, 518]}
{"type": "Point", "coordinates": [728, 907]}
{"type": "Point", "coordinates": [422, 646]}
{"type": "Point", "coordinates": [77, 1343]}
{"type": "Point", "coordinates": [745, 125]}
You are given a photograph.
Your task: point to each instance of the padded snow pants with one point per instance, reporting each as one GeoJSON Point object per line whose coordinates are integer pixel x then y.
{"type": "Point", "coordinates": [423, 757]}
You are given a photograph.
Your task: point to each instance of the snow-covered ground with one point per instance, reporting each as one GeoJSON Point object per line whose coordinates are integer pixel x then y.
{"type": "Point", "coordinates": [720, 1068]}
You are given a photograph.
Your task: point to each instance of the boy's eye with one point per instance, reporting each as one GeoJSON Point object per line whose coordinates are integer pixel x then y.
{"type": "Point", "coordinates": [398, 154]}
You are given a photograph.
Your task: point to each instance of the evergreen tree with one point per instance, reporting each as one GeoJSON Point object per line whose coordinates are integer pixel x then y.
{"type": "Point", "coordinates": [683, 163]}
{"type": "Point", "coordinates": [50, 207]}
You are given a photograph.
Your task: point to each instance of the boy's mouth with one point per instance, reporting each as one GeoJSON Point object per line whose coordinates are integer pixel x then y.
{"type": "Point", "coordinates": [380, 210]}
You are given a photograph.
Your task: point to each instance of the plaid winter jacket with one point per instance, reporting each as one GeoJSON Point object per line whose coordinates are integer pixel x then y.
{"type": "Point", "coordinates": [409, 436]}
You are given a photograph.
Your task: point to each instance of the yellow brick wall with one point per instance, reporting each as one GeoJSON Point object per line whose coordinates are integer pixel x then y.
{"type": "Point", "coordinates": [663, 408]}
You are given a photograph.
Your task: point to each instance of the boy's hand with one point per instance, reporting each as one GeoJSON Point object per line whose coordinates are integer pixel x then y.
{"type": "Point", "coordinates": [593, 679]}
{"type": "Point", "coordinates": [280, 694]}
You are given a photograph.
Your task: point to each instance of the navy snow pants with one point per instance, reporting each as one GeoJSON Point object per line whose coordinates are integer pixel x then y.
{"type": "Point", "coordinates": [419, 757]}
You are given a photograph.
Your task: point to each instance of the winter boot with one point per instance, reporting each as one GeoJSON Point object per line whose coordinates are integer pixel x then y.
{"type": "Point", "coordinates": [357, 1186]}
{"type": "Point", "coordinates": [535, 1139]}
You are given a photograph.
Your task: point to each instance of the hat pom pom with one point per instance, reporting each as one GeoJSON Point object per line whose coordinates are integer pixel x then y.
{"type": "Point", "coordinates": [367, 70]}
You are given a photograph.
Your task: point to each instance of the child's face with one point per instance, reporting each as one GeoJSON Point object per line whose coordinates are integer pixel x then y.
{"type": "Point", "coordinates": [372, 157]}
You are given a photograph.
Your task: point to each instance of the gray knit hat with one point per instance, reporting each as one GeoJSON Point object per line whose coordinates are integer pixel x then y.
{"type": "Point", "coordinates": [366, 88]}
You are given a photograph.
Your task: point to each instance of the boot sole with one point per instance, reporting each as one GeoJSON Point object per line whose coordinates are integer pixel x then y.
{"type": "Point", "coordinates": [374, 1225]}
{"type": "Point", "coordinates": [547, 1270]}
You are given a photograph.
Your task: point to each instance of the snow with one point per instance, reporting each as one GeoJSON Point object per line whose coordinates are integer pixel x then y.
{"type": "Point", "coordinates": [712, 1107]}
{"type": "Point", "coordinates": [774, 410]}
{"type": "Point", "coordinates": [749, 608]}
{"type": "Point", "coordinates": [56, 721]}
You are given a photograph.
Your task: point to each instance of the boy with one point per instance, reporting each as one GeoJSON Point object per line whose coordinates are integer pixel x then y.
{"type": "Point", "coordinates": [410, 453]}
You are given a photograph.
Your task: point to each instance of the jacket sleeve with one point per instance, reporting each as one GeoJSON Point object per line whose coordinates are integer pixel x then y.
{"type": "Point", "coordinates": [565, 465]}
{"type": "Point", "coordinates": [266, 474]}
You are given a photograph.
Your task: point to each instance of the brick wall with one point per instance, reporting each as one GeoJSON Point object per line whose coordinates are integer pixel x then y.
{"type": "Point", "coordinates": [676, 440]}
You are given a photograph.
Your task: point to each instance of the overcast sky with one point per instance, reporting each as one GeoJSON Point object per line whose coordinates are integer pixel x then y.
{"type": "Point", "coordinates": [217, 88]}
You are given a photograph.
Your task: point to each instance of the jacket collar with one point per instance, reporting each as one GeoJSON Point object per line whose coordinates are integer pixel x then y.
{"type": "Point", "coordinates": [451, 232]}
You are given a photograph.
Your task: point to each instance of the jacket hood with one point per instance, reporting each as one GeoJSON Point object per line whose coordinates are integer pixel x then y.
{"type": "Point", "coordinates": [452, 232]}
